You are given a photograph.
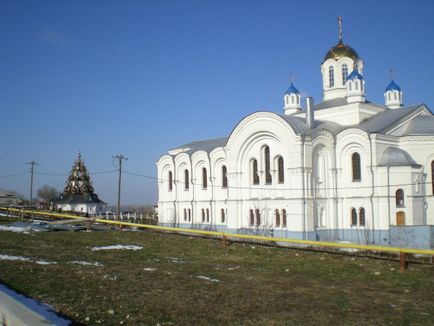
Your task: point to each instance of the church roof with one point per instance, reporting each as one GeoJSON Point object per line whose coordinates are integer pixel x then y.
{"type": "Point", "coordinates": [78, 199]}
{"type": "Point", "coordinates": [382, 122]}
{"type": "Point", "coordinates": [394, 156]}
{"type": "Point", "coordinates": [298, 125]}
{"type": "Point", "coordinates": [387, 120]}
{"type": "Point", "coordinates": [392, 87]}
{"type": "Point", "coordinates": [421, 125]}
{"type": "Point", "coordinates": [202, 145]}
{"type": "Point", "coordinates": [341, 50]}
{"type": "Point", "coordinates": [292, 90]}
{"type": "Point", "coordinates": [339, 101]}
{"type": "Point", "coordinates": [355, 75]}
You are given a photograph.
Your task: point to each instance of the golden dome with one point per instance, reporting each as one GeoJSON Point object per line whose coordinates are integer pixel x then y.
{"type": "Point", "coordinates": [341, 50]}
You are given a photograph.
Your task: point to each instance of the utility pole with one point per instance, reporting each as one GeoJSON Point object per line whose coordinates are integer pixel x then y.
{"type": "Point", "coordinates": [119, 157]}
{"type": "Point", "coordinates": [32, 165]}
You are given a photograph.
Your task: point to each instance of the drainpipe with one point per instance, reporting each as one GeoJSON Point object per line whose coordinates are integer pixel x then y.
{"type": "Point", "coordinates": [388, 193]}
{"type": "Point", "coordinates": [371, 198]}
{"type": "Point", "coordinates": [192, 198]}
{"type": "Point", "coordinates": [212, 190]}
{"type": "Point", "coordinates": [336, 232]}
{"type": "Point", "coordinates": [304, 186]}
{"type": "Point", "coordinates": [310, 120]}
{"type": "Point", "coordinates": [175, 189]}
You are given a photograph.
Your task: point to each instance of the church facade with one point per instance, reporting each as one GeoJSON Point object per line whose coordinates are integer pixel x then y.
{"type": "Point", "coordinates": [345, 169]}
{"type": "Point", "coordinates": [78, 195]}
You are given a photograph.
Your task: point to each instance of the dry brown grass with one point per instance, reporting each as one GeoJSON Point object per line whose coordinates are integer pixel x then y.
{"type": "Point", "coordinates": [256, 285]}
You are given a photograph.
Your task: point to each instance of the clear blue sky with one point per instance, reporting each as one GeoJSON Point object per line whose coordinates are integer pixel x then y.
{"type": "Point", "coordinates": [141, 77]}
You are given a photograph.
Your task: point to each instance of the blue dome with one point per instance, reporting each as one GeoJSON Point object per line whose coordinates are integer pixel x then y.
{"type": "Point", "coordinates": [393, 87]}
{"type": "Point", "coordinates": [355, 75]}
{"type": "Point", "coordinates": [292, 90]}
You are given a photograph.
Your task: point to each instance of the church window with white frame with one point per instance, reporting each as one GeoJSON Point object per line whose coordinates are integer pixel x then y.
{"type": "Point", "coordinates": [268, 178]}
{"type": "Point", "coordinates": [356, 167]}
{"type": "Point", "coordinates": [255, 175]}
{"type": "Point", "coordinates": [186, 180]}
{"type": "Point", "coordinates": [344, 73]}
{"type": "Point", "coordinates": [204, 179]}
{"type": "Point", "coordinates": [331, 76]}
{"type": "Point", "coordinates": [280, 170]}
{"type": "Point", "coordinates": [170, 181]}
{"type": "Point", "coordinates": [224, 176]}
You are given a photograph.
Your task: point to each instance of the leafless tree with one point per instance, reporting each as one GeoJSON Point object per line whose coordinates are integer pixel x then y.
{"type": "Point", "coordinates": [47, 193]}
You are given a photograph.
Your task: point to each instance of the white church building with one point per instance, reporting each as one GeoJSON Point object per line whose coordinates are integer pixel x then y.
{"type": "Point", "coordinates": [345, 169]}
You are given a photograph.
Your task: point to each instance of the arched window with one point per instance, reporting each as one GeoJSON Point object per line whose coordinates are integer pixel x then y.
{"type": "Point", "coordinates": [361, 85]}
{"type": "Point", "coordinates": [432, 176]}
{"type": "Point", "coordinates": [251, 218]}
{"type": "Point", "coordinates": [394, 96]}
{"type": "Point", "coordinates": [292, 99]}
{"type": "Point", "coordinates": [350, 85]}
{"type": "Point", "coordinates": [280, 170]}
{"type": "Point", "coordinates": [353, 216]}
{"type": "Point", "coordinates": [185, 214]}
{"type": "Point", "coordinates": [331, 77]}
{"type": "Point", "coordinates": [223, 215]}
{"type": "Point", "coordinates": [344, 73]}
{"type": "Point", "coordinates": [258, 217]}
{"type": "Point", "coordinates": [355, 159]}
{"type": "Point", "coordinates": [356, 85]}
{"type": "Point", "coordinates": [186, 180]}
{"type": "Point", "coordinates": [170, 181]}
{"type": "Point", "coordinates": [277, 214]}
{"type": "Point", "coordinates": [284, 218]}
{"type": "Point", "coordinates": [203, 215]}
{"type": "Point", "coordinates": [399, 197]}
{"type": "Point", "coordinates": [267, 165]}
{"type": "Point", "coordinates": [204, 178]}
{"type": "Point", "coordinates": [189, 215]}
{"type": "Point", "coordinates": [388, 95]}
{"type": "Point", "coordinates": [362, 216]}
{"type": "Point", "coordinates": [255, 175]}
{"type": "Point", "coordinates": [224, 176]}
{"type": "Point", "coordinates": [207, 215]}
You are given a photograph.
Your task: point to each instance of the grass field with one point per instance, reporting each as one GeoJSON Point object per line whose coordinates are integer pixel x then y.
{"type": "Point", "coordinates": [179, 280]}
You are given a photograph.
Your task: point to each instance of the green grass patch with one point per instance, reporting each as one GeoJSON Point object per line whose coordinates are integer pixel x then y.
{"type": "Point", "coordinates": [184, 280]}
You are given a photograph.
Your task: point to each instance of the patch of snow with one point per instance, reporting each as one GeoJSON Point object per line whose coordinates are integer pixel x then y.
{"type": "Point", "coordinates": [21, 258]}
{"type": "Point", "coordinates": [117, 247]}
{"type": "Point", "coordinates": [233, 268]}
{"type": "Point", "coordinates": [85, 263]}
{"type": "Point", "coordinates": [9, 257]}
{"type": "Point", "coordinates": [45, 262]}
{"type": "Point", "coordinates": [14, 229]}
{"type": "Point", "coordinates": [111, 277]}
{"type": "Point", "coordinates": [174, 260]}
{"type": "Point", "coordinates": [149, 269]}
{"type": "Point", "coordinates": [42, 309]}
{"type": "Point", "coordinates": [201, 277]}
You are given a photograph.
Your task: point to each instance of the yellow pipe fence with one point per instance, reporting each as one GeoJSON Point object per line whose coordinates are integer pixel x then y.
{"type": "Point", "coordinates": [233, 235]}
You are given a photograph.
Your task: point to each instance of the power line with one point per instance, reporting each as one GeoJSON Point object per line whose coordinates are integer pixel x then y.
{"type": "Point", "coordinates": [14, 175]}
{"type": "Point", "coordinates": [66, 174]}
{"type": "Point", "coordinates": [274, 188]}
